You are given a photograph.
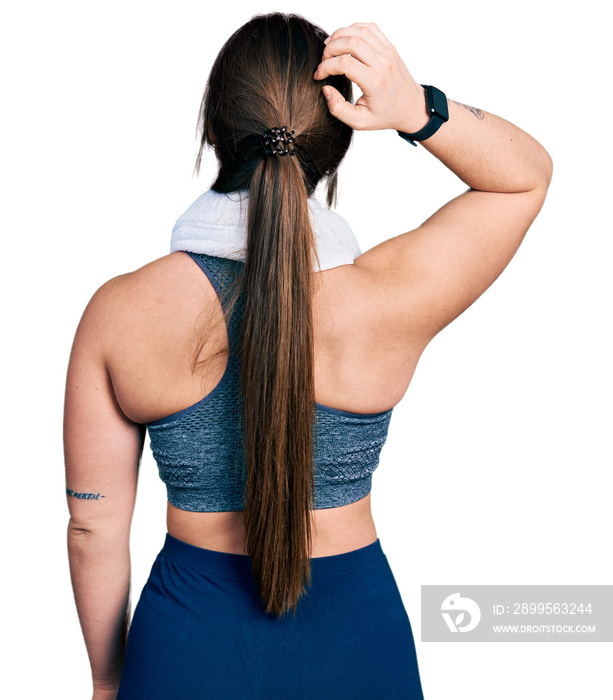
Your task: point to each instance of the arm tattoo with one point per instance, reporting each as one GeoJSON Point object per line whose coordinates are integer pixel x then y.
{"type": "Point", "coordinates": [83, 496]}
{"type": "Point", "coordinates": [477, 112]}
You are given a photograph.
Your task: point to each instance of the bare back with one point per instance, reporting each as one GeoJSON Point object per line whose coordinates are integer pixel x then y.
{"type": "Point", "coordinates": [365, 357]}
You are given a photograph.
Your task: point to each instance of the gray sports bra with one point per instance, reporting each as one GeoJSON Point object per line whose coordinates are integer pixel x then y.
{"type": "Point", "coordinates": [199, 449]}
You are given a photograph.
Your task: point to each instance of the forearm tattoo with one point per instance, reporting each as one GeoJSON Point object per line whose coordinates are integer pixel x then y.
{"type": "Point", "coordinates": [84, 496]}
{"type": "Point", "coordinates": [477, 112]}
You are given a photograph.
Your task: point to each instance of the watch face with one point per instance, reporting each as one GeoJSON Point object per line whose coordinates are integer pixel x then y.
{"type": "Point", "coordinates": [438, 101]}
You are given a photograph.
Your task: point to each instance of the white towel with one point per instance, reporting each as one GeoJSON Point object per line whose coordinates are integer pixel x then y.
{"type": "Point", "coordinates": [216, 224]}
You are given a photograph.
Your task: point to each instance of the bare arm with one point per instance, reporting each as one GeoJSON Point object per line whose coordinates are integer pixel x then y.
{"type": "Point", "coordinates": [102, 453]}
{"type": "Point", "coordinates": [440, 268]}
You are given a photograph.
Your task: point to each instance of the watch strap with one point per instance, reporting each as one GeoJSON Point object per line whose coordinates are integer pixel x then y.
{"type": "Point", "coordinates": [436, 120]}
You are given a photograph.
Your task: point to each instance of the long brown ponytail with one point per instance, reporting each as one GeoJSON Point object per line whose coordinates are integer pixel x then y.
{"type": "Point", "coordinates": [263, 78]}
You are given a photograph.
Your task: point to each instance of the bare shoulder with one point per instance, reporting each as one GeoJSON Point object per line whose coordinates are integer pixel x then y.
{"type": "Point", "coordinates": [436, 271]}
{"type": "Point", "coordinates": [144, 285]}
{"type": "Point", "coordinates": [392, 291]}
{"type": "Point", "coordinates": [132, 302]}
{"type": "Point", "coordinates": [368, 306]}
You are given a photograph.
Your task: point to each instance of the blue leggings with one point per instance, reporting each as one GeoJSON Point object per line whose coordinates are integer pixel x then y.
{"type": "Point", "coordinates": [200, 631]}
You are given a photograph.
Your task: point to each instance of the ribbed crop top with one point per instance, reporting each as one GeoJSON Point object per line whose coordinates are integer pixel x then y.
{"type": "Point", "coordinates": [199, 449]}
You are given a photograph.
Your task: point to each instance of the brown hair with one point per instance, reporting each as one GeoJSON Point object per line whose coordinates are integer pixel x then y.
{"type": "Point", "coordinates": [261, 79]}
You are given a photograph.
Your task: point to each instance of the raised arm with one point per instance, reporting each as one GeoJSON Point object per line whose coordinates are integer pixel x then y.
{"type": "Point", "coordinates": [102, 453]}
{"type": "Point", "coordinates": [440, 268]}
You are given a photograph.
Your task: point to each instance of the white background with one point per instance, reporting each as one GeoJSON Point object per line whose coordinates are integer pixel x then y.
{"type": "Point", "coordinates": [498, 464]}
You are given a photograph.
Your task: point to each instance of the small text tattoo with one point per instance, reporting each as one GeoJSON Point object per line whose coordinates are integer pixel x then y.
{"type": "Point", "coordinates": [83, 496]}
{"type": "Point", "coordinates": [477, 112]}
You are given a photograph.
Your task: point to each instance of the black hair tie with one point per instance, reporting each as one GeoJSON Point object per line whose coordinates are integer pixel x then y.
{"type": "Point", "coordinates": [279, 142]}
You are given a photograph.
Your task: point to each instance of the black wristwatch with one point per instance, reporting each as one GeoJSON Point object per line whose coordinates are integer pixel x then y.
{"type": "Point", "coordinates": [436, 103]}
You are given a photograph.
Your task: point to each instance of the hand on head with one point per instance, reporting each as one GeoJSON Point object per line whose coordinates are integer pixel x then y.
{"type": "Point", "coordinates": [390, 95]}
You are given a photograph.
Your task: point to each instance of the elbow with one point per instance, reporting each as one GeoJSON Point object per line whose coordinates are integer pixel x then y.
{"type": "Point", "coordinates": [542, 172]}
{"type": "Point", "coordinates": [77, 530]}
{"type": "Point", "coordinates": [547, 168]}
{"type": "Point", "coordinates": [85, 531]}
